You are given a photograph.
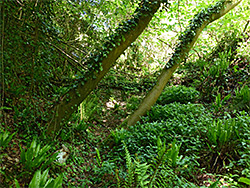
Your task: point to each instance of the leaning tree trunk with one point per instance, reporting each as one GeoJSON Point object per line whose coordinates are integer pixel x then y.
{"type": "Point", "coordinates": [101, 62]}
{"type": "Point", "coordinates": [187, 40]}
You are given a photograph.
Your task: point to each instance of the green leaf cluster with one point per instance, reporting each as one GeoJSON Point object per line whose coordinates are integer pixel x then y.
{"type": "Point", "coordinates": [242, 98]}
{"type": "Point", "coordinates": [156, 172]}
{"type": "Point", "coordinates": [222, 133]}
{"type": "Point", "coordinates": [41, 180]}
{"type": "Point", "coordinates": [5, 138]}
{"type": "Point", "coordinates": [179, 93]}
{"type": "Point", "coordinates": [35, 156]}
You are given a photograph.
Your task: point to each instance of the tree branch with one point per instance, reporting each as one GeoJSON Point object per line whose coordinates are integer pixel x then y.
{"type": "Point", "coordinates": [73, 62]}
{"type": "Point", "coordinates": [187, 40]}
{"type": "Point", "coordinates": [124, 35]}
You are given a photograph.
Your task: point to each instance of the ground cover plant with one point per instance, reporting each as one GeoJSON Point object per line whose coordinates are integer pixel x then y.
{"type": "Point", "coordinates": [54, 54]}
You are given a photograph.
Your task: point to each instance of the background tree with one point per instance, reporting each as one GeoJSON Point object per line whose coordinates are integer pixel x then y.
{"type": "Point", "coordinates": [58, 47]}
{"type": "Point", "coordinates": [198, 128]}
{"type": "Point", "coordinates": [101, 61]}
{"type": "Point", "coordinates": [187, 40]}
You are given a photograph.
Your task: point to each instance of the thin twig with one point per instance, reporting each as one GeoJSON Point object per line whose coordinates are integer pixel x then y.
{"type": "Point", "coordinates": [165, 43]}
{"type": "Point", "coordinates": [76, 64]}
{"type": "Point", "coordinates": [73, 47]}
{"type": "Point", "coordinates": [246, 26]}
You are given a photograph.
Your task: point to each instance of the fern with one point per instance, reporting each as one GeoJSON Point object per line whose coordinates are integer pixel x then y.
{"type": "Point", "coordinates": [5, 138]}
{"type": "Point", "coordinates": [159, 160]}
{"type": "Point", "coordinates": [163, 164]}
{"type": "Point", "coordinates": [130, 166]}
{"type": "Point", "coordinates": [141, 174]}
{"type": "Point", "coordinates": [117, 178]}
{"type": "Point", "coordinates": [156, 174]}
{"type": "Point", "coordinates": [173, 153]}
{"type": "Point", "coordinates": [242, 98]}
{"type": "Point", "coordinates": [137, 172]}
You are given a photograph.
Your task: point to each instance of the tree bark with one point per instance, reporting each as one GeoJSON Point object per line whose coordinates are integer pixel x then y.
{"type": "Point", "coordinates": [187, 40]}
{"type": "Point", "coordinates": [106, 56]}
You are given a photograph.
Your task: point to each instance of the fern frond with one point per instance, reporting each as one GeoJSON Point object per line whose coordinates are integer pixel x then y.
{"type": "Point", "coordinates": [159, 160]}
{"type": "Point", "coordinates": [130, 166]}
{"type": "Point", "coordinates": [141, 174]}
{"type": "Point", "coordinates": [117, 178]}
{"type": "Point", "coordinates": [162, 171]}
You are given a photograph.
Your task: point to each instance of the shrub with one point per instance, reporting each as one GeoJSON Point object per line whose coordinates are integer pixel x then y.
{"type": "Point", "coordinates": [185, 122]}
{"type": "Point", "coordinates": [189, 113]}
{"type": "Point", "coordinates": [221, 133]}
{"type": "Point", "coordinates": [228, 144]}
{"type": "Point", "coordinates": [35, 156]}
{"type": "Point", "coordinates": [160, 171]}
{"type": "Point", "coordinates": [133, 103]}
{"type": "Point", "coordinates": [242, 98]}
{"type": "Point", "coordinates": [180, 94]}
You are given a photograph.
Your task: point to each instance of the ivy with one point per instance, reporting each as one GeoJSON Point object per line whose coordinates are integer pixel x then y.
{"type": "Point", "coordinates": [205, 15]}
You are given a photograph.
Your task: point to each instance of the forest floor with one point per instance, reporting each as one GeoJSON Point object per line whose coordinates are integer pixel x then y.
{"type": "Point", "coordinates": [113, 103]}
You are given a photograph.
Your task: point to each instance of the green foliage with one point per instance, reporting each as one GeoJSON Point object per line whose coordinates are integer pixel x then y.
{"type": "Point", "coordinates": [119, 135]}
{"type": "Point", "coordinates": [220, 65]}
{"type": "Point", "coordinates": [40, 62]}
{"type": "Point", "coordinates": [141, 174]}
{"type": "Point", "coordinates": [214, 185]}
{"type": "Point", "coordinates": [98, 157]}
{"type": "Point", "coordinates": [244, 137]}
{"type": "Point", "coordinates": [133, 103]}
{"type": "Point", "coordinates": [189, 124]}
{"type": "Point", "coordinates": [228, 140]}
{"type": "Point", "coordinates": [221, 133]}
{"type": "Point", "coordinates": [244, 180]}
{"type": "Point", "coordinates": [173, 153]}
{"type": "Point", "coordinates": [40, 36]}
{"type": "Point", "coordinates": [187, 113]}
{"type": "Point", "coordinates": [5, 138]}
{"type": "Point", "coordinates": [242, 98]}
{"type": "Point", "coordinates": [185, 122]}
{"type": "Point", "coordinates": [88, 107]}
{"type": "Point", "coordinates": [41, 180]}
{"type": "Point", "coordinates": [157, 171]}
{"type": "Point", "coordinates": [220, 71]}
{"type": "Point", "coordinates": [129, 166]}
{"type": "Point", "coordinates": [219, 104]}
{"type": "Point", "coordinates": [165, 158]}
{"type": "Point", "coordinates": [81, 126]}
{"type": "Point", "coordinates": [31, 67]}
{"type": "Point", "coordinates": [217, 68]}
{"type": "Point", "coordinates": [35, 156]}
{"type": "Point", "coordinates": [136, 176]}
{"type": "Point", "coordinates": [179, 93]}
{"type": "Point", "coordinates": [244, 48]}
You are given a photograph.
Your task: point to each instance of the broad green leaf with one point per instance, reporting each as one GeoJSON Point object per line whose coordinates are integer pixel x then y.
{"type": "Point", "coordinates": [36, 180]}
{"type": "Point", "coordinates": [244, 180]}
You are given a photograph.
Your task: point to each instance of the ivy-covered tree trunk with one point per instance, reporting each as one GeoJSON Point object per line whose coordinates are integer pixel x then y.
{"type": "Point", "coordinates": [101, 62]}
{"type": "Point", "coordinates": [187, 40]}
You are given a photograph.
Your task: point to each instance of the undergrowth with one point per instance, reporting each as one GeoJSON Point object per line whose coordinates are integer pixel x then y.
{"type": "Point", "coordinates": [197, 134]}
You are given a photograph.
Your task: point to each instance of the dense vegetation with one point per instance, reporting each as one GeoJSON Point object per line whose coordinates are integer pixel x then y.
{"type": "Point", "coordinates": [73, 71]}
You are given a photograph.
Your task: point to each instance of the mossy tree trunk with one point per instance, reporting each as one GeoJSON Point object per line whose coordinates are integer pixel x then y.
{"type": "Point", "coordinates": [101, 62]}
{"type": "Point", "coordinates": [187, 40]}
